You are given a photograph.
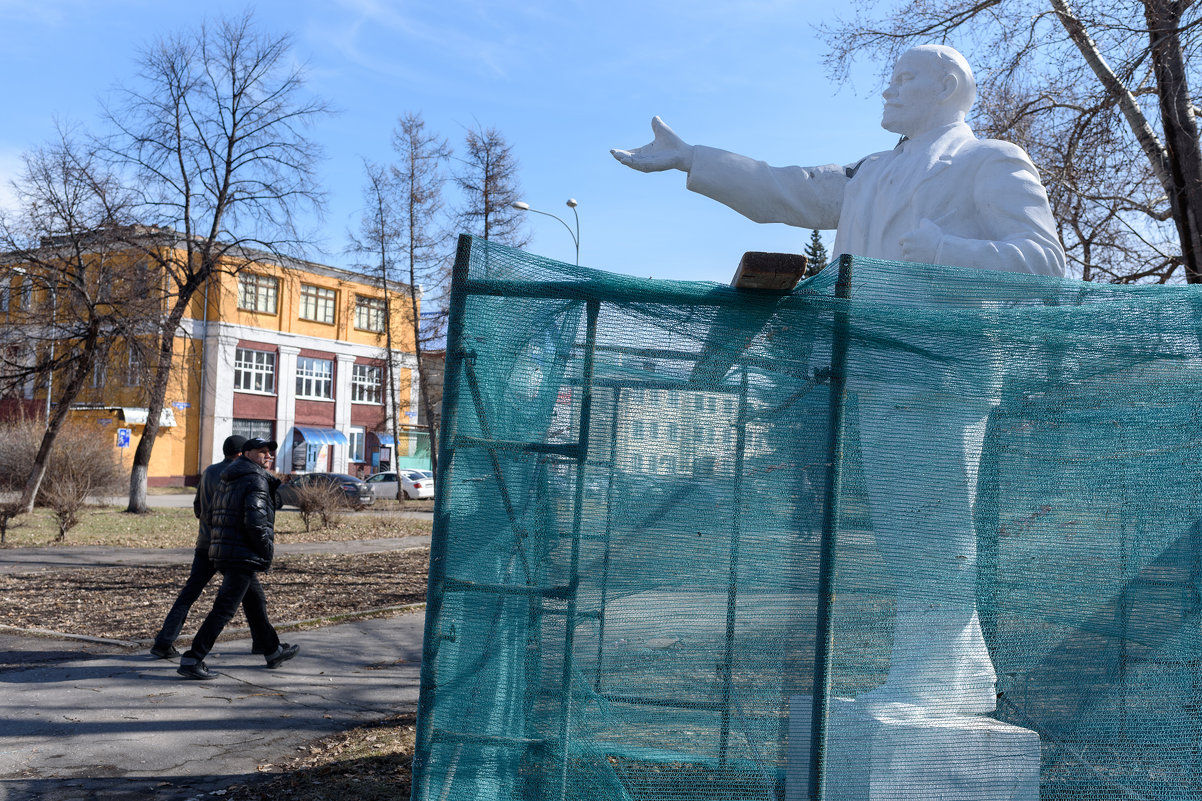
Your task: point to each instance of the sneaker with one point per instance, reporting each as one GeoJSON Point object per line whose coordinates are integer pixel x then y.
{"type": "Point", "coordinates": [282, 654]}
{"type": "Point", "coordinates": [196, 670]}
{"type": "Point", "coordinates": [164, 651]}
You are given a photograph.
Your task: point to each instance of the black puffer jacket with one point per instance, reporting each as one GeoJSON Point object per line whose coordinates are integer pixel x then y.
{"type": "Point", "coordinates": [242, 517]}
{"type": "Point", "coordinates": [203, 501]}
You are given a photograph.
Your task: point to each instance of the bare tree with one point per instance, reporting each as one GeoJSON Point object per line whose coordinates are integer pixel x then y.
{"type": "Point", "coordinates": [214, 131]}
{"type": "Point", "coordinates": [403, 231]}
{"type": "Point", "coordinates": [1098, 94]}
{"type": "Point", "coordinates": [419, 176]}
{"type": "Point", "coordinates": [488, 179]}
{"type": "Point", "coordinates": [379, 238]}
{"type": "Point", "coordinates": [79, 294]}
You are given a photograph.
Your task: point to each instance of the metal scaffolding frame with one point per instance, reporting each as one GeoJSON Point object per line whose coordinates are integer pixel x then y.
{"type": "Point", "coordinates": [708, 363]}
{"type": "Point", "coordinates": [561, 599]}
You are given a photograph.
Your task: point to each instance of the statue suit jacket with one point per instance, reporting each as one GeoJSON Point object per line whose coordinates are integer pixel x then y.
{"type": "Point", "coordinates": [984, 194]}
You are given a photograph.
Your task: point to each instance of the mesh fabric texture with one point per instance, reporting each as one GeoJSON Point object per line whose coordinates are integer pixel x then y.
{"type": "Point", "coordinates": [637, 479]}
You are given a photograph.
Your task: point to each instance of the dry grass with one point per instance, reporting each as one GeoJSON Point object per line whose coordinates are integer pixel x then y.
{"type": "Point", "coordinates": [368, 763]}
{"type": "Point", "coordinates": [128, 603]}
{"type": "Point", "coordinates": [176, 528]}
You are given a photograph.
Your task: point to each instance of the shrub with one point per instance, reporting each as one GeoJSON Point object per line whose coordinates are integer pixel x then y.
{"type": "Point", "coordinates": [82, 465]}
{"type": "Point", "coordinates": [320, 500]}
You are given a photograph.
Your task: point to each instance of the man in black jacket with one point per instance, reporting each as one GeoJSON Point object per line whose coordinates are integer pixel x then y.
{"type": "Point", "coordinates": [203, 568]}
{"type": "Point", "coordinates": [241, 541]}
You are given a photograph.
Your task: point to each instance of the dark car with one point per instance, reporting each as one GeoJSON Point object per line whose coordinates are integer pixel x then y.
{"type": "Point", "coordinates": [356, 492]}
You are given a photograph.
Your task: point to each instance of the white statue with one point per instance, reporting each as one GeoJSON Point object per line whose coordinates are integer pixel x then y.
{"type": "Point", "coordinates": [941, 196]}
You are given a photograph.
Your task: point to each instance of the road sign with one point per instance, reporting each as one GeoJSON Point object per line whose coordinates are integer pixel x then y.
{"type": "Point", "coordinates": [122, 437]}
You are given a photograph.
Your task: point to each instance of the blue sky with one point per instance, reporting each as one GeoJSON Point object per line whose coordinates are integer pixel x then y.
{"type": "Point", "coordinates": [564, 81]}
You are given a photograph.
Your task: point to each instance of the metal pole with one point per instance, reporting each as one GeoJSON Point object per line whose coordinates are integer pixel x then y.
{"type": "Point", "coordinates": [609, 525]}
{"type": "Point", "coordinates": [439, 539]}
{"type": "Point", "coordinates": [732, 587]}
{"type": "Point", "coordinates": [569, 638]}
{"type": "Point", "coordinates": [824, 631]}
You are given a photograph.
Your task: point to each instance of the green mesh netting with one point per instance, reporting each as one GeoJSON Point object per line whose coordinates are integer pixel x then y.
{"type": "Point", "coordinates": [951, 516]}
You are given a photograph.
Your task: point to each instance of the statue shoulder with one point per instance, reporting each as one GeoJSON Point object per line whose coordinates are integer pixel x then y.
{"type": "Point", "coordinates": [995, 149]}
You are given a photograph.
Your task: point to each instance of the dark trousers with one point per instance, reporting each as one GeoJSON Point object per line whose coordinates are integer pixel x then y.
{"type": "Point", "coordinates": [238, 586]}
{"type": "Point", "coordinates": [203, 571]}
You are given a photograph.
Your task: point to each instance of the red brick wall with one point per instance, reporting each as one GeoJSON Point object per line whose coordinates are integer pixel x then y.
{"type": "Point", "coordinates": [254, 407]}
{"type": "Point", "coordinates": [319, 414]}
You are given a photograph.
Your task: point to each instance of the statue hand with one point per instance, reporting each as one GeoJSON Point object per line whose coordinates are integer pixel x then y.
{"type": "Point", "coordinates": [922, 243]}
{"type": "Point", "coordinates": [666, 152]}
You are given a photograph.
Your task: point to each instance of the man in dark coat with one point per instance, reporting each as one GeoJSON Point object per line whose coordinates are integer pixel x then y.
{"type": "Point", "coordinates": [241, 541]}
{"type": "Point", "coordinates": [203, 568]}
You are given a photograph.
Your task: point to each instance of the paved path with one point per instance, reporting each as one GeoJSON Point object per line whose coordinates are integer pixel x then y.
{"type": "Point", "coordinates": [99, 721]}
{"type": "Point", "coordinates": [91, 723]}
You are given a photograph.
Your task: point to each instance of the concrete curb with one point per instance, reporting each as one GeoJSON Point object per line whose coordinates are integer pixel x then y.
{"type": "Point", "coordinates": [62, 635]}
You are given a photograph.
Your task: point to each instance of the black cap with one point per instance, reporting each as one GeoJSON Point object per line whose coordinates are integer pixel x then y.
{"type": "Point", "coordinates": [255, 443]}
{"type": "Point", "coordinates": [233, 445]}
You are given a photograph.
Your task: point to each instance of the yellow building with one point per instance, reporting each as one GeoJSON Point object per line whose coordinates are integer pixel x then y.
{"type": "Point", "coordinates": [286, 350]}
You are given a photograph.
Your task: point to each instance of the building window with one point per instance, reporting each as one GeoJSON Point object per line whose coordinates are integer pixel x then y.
{"type": "Point", "coordinates": [4, 293]}
{"type": "Point", "coordinates": [27, 294]}
{"type": "Point", "coordinates": [317, 303]}
{"type": "Point", "coordinates": [366, 383]}
{"type": "Point", "coordinates": [369, 313]}
{"type": "Point", "coordinates": [254, 371]}
{"type": "Point", "coordinates": [356, 438]}
{"type": "Point", "coordinates": [314, 378]}
{"type": "Point", "coordinates": [99, 373]}
{"type": "Point", "coordinates": [258, 293]}
{"type": "Point", "coordinates": [263, 429]}
{"type": "Point", "coordinates": [135, 368]}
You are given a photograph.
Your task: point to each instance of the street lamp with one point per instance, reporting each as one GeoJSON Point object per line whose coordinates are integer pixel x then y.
{"type": "Point", "coordinates": [522, 206]}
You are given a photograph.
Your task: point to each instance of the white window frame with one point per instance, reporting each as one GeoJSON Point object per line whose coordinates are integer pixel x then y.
{"type": "Point", "coordinates": [367, 384]}
{"type": "Point", "coordinates": [318, 303]}
{"type": "Point", "coordinates": [134, 369]}
{"type": "Point", "coordinates": [369, 313]}
{"type": "Point", "coordinates": [356, 439]}
{"type": "Point", "coordinates": [314, 378]}
{"type": "Point", "coordinates": [258, 293]}
{"type": "Point", "coordinates": [254, 371]}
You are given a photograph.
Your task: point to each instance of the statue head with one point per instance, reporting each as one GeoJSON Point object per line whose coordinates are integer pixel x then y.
{"type": "Point", "coordinates": [932, 86]}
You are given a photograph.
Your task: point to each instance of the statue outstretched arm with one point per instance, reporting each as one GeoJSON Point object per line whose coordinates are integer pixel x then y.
{"type": "Point", "coordinates": [666, 151]}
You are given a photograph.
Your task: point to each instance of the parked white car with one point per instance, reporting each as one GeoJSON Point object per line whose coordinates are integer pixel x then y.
{"type": "Point", "coordinates": [416, 484]}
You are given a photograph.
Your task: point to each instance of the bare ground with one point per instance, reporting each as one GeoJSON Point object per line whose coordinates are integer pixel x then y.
{"type": "Point", "coordinates": [128, 603]}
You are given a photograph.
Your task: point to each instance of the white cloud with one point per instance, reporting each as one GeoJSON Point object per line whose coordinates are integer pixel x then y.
{"type": "Point", "coordinates": [462, 33]}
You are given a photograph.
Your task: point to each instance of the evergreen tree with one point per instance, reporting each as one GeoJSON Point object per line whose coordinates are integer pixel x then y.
{"type": "Point", "coordinates": [815, 252]}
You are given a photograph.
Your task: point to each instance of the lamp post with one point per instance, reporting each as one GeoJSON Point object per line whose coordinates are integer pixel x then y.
{"type": "Point", "coordinates": [523, 206]}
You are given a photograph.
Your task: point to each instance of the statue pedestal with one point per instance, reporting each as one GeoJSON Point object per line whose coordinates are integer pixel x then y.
{"type": "Point", "coordinates": [891, 752]}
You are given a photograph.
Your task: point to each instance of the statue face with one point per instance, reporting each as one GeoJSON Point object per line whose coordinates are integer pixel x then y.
{"type": "Point", "coordinates": [914, 97]}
